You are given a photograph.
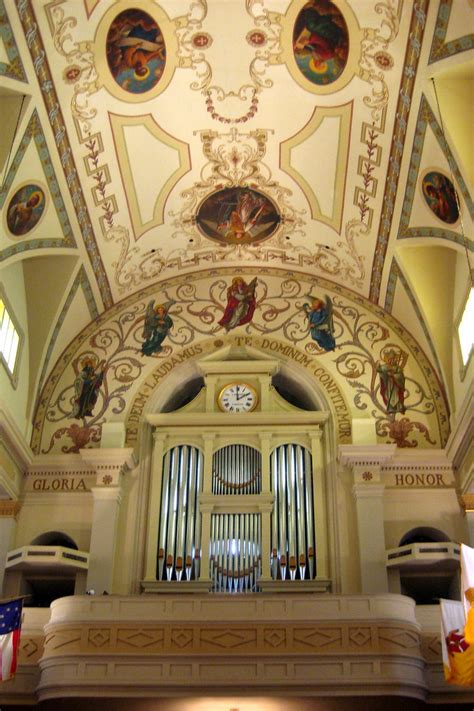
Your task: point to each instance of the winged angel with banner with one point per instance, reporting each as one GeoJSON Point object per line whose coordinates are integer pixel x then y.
{"type": "Point", "coordinates": [157, 326]}
{"type": "Point", "coordinates": [321, 323]}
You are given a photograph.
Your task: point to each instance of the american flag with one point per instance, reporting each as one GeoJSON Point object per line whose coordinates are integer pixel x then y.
{"type": "Point", "coordinates": [10, 625]}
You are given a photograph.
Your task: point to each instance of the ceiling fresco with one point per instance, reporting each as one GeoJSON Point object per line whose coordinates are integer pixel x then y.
{"type": "Point", "coordinates": [176, 147]}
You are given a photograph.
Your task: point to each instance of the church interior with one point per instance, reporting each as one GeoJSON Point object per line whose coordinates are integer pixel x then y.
{"type": "Point", "coordinates": [236, 397]}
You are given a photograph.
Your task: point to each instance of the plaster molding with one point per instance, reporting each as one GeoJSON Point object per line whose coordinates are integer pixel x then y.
{"type": "Point", "coordinates": [361, 455]}
{"type": "Point", "coordinates": [115, 459]}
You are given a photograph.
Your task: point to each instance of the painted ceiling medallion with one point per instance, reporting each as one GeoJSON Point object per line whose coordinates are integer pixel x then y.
{"type": "Point", "coordinates": [237, 216]}
{"type": "Point", "coordinates": [136, 52]}
{"type": "Point", "coordinates": [320, 42]}
{"type": "Point", "coordinates": [25, 209]}
{"type": "Point", "coordinates": [440, 196]}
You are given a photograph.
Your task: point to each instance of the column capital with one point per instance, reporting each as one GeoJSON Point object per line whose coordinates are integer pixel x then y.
{"type": "Point", "coordinates": [361, 455]}
{"type": "Point", "coordinates": [159, 436]}
{"type": "Point", "coordinates": [109, 464]}
{"type": "Point", "coordinates": [265, 436]}
{"type": "Point", "coordinates": [9, 508]}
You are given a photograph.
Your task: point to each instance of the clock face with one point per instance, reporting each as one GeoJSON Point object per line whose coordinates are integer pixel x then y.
{"type": "Point", "coordinates": [237, 397]}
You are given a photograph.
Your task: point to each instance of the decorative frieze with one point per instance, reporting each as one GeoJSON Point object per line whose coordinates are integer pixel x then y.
{"type": "Point", "coordinates": [252, 638]}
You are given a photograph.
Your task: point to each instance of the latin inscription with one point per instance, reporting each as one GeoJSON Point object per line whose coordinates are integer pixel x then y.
{"type": "Point", "coordinates": [420, 480]}
{"type": "Point", "coordinates": [58, 484]}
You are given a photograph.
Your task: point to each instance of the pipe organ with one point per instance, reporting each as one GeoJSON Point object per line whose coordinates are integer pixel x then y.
{"type": "Point", "coordinates": [235, 538]}
{"type": "Point", "coordinates": [237, 501]}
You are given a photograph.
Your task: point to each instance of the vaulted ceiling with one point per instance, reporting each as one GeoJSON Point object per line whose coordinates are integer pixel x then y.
{"type": "Point", "coordinates": [165, 147]}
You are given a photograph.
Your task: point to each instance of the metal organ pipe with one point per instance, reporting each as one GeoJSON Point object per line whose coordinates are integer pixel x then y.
{"type": "Point", "coordinates": [179, 528]}
{"type": "Point", "coordinates": [292, 520]}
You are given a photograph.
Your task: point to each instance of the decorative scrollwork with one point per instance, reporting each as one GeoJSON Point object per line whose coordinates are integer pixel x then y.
{"type": "Point", "coordinates": [265, 39]}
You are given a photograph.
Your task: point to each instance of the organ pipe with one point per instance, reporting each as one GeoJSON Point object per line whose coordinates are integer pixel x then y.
{"type": "Point", "coordinates": [292, 529]}
{"type": "Point", "coordinates": [179, 527]}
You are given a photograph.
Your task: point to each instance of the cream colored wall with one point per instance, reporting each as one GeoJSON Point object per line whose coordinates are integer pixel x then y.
{"type": "Point", "coordinates": [462, 377]}
{"type": "Point", "coordinates": [128, 525]}
{"type": "Point", "coordinates": [67, 513]}
{"type": "Point", "coordinates": [404, 510]}
{"type": "Point", "coordinates": [346, 527]}
{"type": "Point", "coordinates": [16, 397]}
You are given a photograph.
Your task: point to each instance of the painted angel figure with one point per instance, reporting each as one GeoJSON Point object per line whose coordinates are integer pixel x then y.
{"type": "Point", "coordinates": [392, 379]}
{"type": "Point", "coordinates": [241, 303]}
{"type": "Point", "coordinates": [87, 386]}
{"type": "Point", "coordinates": [321, 323]}
{"type": "Point", "coordinates": [157, 326]}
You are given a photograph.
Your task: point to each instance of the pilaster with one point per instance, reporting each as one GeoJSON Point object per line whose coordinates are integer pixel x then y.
{"type": "Point", "coordinates": [366, 463]}
{"type": "Point", "coordinates": [109, 465]}
{"type": "Point", "coordinates": [154, 498]}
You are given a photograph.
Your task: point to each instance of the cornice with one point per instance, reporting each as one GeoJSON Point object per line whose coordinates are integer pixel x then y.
{"type": "Point", "coordinates": [109, 458]}
{"type": "Point", "coordinates": [361, 455]}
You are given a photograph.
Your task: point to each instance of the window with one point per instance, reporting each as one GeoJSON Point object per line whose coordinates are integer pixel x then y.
{"type": "Point", "coordinates": [10, 338]}
{"type": "Point", "coordinates": [466, 327]}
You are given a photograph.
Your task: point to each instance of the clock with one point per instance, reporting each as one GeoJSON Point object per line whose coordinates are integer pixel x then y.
{"type": "Point", "coordinates": [237, 397]}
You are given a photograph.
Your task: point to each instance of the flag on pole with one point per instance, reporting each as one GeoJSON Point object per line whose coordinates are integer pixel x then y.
{"type": "Point", "coordinates": [10, 626]}
{"type": "Point", "coordinates": [457, 627]}
{"type": "Point", "coordinates": [467, 591]}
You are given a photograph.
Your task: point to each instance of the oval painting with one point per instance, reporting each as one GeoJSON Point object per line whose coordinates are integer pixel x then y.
{"type": "Point", "coordinates": [25, 209]}
{"type": "Point", "coordinates": [440, 196]}
{"type": "Point", "coordinates": [321, 42]}
{"type": "Point", "coordinates": [136, 52]}
{"type": "Point", "coordinates": [237, 216]}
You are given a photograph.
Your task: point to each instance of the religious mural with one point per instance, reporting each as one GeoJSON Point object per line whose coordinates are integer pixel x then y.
{"type": "Point", "coordinates": [86, 387]}
{"type": "Point", "coordinates": [237, 216]}
{"type": "Point", "coordinates": [157, 325]}
{"type": "Point", "coordinates": [440, 196]}
{"type": "Point", "coordinates": [392, 378]}
{"type": "Point", "coordinates": [321, 322]}
{"type": "Point", "coordinates": [320, 42]}
{"type": "Point", "coordinates": [241, 303]}
{"type": "Point", "coordinates": [25, 209]}
{"type": "Point", "coordinates": [347, 346]}
{"type": "Point", "coordinates": [136, 51]}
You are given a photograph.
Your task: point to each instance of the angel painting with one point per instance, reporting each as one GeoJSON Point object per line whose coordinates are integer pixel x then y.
{"type": "Point", "coordinates": [321, 322]}
{"type": "Point", "coordinates": [157, 326]}
{"type": "Point", "coordinates": [86, 387]}
{"type": "Point", "coordinates": [241, 303]}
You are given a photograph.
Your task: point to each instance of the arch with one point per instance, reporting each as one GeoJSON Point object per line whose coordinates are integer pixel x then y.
{"type": "Point", "coordinates": [54, 538]}
{"type": "Point", "coordinates": [424, 534]}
